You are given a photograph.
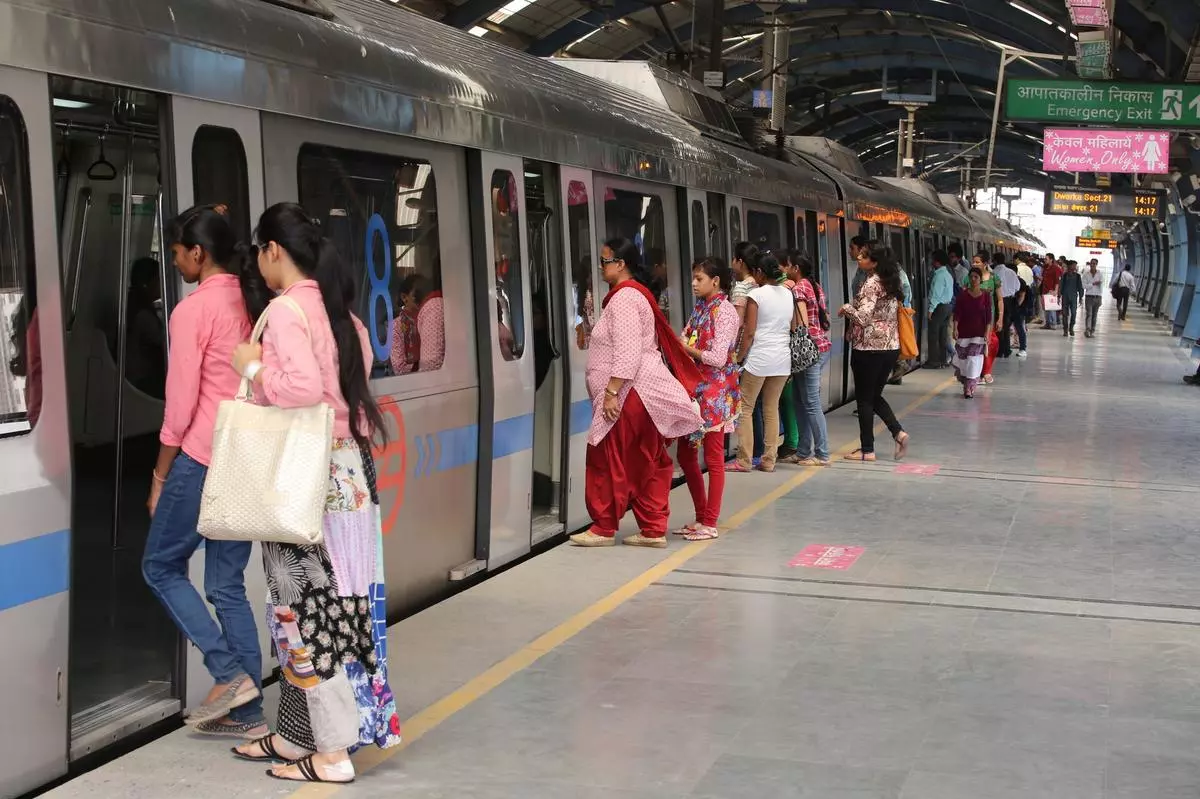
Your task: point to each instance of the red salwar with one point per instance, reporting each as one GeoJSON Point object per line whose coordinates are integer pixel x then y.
{"type": "Point", "coordinates": [630, 466]}
{"type": "Point", "coordinates": [708, 504]}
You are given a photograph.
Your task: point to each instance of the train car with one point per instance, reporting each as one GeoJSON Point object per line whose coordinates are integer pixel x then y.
{"type": "Point", "coordinates": [458, 177]}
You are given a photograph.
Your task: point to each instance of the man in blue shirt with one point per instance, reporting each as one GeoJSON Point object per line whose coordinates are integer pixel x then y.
{"type": "Point", "coordinates": [941, 295]}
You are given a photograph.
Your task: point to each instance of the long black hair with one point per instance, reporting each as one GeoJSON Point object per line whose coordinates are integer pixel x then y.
{"type": "Point", "coordinates": [289, 226]}
{"type": "Point", "coordinates": [205, 227]}
{"type": "Point", "coordinates": [747, 253]}
{"type": "Point", "coordinates": [625, 250]}
{"type": "Point", "coordinates": [808, 271]}
{"type": "Point", "coordinates": [886, 269]}
{"type": "Point", "coordinates": [715, 268]}
{"type": "Point", "coordinates": [768, 264]}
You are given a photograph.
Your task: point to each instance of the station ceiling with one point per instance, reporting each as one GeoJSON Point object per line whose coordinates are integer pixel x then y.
{"type": "Point", "coordinates": [840, 48]}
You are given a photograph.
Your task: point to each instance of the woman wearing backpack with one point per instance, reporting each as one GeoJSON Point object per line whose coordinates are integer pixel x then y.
{"type": "Point", "coordinates": [813, 447]}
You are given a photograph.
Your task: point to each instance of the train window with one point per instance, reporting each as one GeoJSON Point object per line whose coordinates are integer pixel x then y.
{"type": "Point", "coordinates": [219, 174]}
{"type": "Point", "coordinates": [20, 347]}
{"type": "Point", "coordinates": [579, 242]}
{"type": "Point", "coordinates": [381, 212]}
{"type": "Point", "coordinates": [735, 224]}
{"type": "Point", "coordinates": [716, 225]}
{"type": "Point", "coordinates": [699, 250]}
{"type": "Point", "coordinates": [506, 259]}
{"type": "Point", "coordinates": [639, 217]}
{"type": "Point", "coordinates": [763, 229]}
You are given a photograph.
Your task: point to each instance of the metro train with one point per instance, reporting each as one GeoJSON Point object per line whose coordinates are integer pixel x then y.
{"type": "Point", "coordinates": [457, 176]}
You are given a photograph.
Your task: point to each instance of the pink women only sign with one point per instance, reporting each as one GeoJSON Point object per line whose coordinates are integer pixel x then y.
{"type": "Point", "coordinates": [1095, 150]}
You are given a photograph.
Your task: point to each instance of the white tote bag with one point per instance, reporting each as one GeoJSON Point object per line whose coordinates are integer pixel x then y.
{"type": "Point", "coordinates": [269, 474]}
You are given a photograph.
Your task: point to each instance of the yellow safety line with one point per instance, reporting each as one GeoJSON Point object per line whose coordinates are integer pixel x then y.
{"type": "Point", "coordinates": [429, 718]}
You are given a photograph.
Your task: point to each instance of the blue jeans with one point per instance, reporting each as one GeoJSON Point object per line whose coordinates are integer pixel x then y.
{"type": "Point", "coordinates": [759, 433]}
{"type": "Point", "coordinates": [230, 649]}
{"type": "Point", "coordinates": [810, 416]}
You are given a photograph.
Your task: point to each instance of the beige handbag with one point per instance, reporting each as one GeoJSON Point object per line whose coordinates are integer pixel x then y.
{"type": "Point", "coordinates": [269, 474]}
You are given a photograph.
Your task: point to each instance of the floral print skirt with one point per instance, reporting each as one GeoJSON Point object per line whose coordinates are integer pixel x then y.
{"type": "Point", "coordinates": [327, 617]}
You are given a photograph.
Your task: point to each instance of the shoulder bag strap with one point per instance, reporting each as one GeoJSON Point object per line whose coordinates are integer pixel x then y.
{"type": "Point", "coordinates": [245, 391]}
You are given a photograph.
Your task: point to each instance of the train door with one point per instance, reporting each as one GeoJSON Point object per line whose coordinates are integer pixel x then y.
{"type": "Point", "coordinates": [35, 491]}
{"type": "Point", "coordinates": [583, 298]}
{"type": "Point", "coordinates": [514, 373]}
{"type": "Point", "coordinates": [644, 213]}
{"type": "Point", "coordinates": [850, 229]}
{"type": "Point", "coordinates": [829, 262]}
{"type": "Point", "coordinates": [110, 168]}
{"type": "Point", "coordinates": [552, 355]}
{"type": "Point", "coordinates": [218, 160]}
{"type": "Point", "coordinates": [698, 247]}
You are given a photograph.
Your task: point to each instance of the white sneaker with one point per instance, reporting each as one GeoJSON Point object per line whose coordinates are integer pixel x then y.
{"type": "Point", "coordinates": [1022, 354]}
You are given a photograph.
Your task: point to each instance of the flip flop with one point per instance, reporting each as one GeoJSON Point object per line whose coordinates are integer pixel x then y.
{"type": "Point", "coordinates": [264, 743]}
{"type": "Point", "coordinates": [901, 445]}
{"type": "Point", "coordinates": [308, 773]}
{"type": "Point", "coordinates": [859, 455]}
{"type": "Point", "coordinates": [703, 533]}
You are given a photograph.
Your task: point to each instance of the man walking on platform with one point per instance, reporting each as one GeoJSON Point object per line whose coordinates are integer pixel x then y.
{"type": "Point", "coordinates": [1093, 297]}
{"type": "Point", "coordinates": [1123, 286]}
{"type": "Point", "coordinates": [1070, 291]}
{"type": "Point", "coordinates": [941, 298]}
{"type": "Point", "coordinates": [1009, 284]}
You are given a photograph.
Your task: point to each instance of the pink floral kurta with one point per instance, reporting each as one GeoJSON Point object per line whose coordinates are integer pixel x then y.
{"type": "Point", "coordinates": [624, 345]}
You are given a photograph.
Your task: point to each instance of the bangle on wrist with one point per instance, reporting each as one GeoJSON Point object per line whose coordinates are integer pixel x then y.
{"type": "Point", "coordinates": [158, 479]}
{"type": "Point", "coordinates": [611, 393]}
{"type": "Point", "coordinates": [252, 369]}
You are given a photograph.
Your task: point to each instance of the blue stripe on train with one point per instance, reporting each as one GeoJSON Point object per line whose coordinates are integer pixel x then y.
{"type": "Point", "coordinates": [34, 568]}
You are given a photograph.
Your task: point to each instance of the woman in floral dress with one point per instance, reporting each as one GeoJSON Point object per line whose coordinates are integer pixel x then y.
{"type": "Point", "coordinates": [710, 337]}
{"type": "Point", "coordinates": [327, 612]}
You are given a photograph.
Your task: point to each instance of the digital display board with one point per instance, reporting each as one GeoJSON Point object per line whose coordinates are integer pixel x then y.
{"type": "Point", "coordinates": [1105, 203]}
{"type": "Point", "coordinates": [1095, 244]}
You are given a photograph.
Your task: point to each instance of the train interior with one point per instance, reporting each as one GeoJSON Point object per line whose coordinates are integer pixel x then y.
{"type": "Point", "coordinates": [108, 172]}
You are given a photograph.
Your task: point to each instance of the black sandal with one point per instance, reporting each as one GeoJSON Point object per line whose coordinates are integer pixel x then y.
{"type": "Point", "coordinates": [264, 743]}
{"type": "Point", "coordinates": [308, 773]}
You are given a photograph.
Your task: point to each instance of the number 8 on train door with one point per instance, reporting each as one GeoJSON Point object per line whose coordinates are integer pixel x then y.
{"type": "Point", "coordinates": [380, 287]}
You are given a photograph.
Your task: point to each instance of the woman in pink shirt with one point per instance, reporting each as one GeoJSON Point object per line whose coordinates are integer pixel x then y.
{"type": "Point", "coordinates": [327, 602]}
{"type": "Point", "coordinates": [204, 329]}
{"type": "Point", "coordinates": [638, 404]}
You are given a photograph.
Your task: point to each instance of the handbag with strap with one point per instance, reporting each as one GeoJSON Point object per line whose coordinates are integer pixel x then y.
{"type": "Point", "coordinates": [804, 350]}
{"type": "Point", "coordinates": [908, 333]}
{"type": "Point", "coordinates": [269, 474]}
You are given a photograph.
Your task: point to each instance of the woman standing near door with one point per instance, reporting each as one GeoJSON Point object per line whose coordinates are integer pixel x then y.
{"type": "Point", "coordinates": [875, 336]}
{"type": "Point", "coordinates": [205, 328]}
{"type": "Point", "coordinates": [638, 403]}
{"type": "Point", "coordinates": [326, 611]}
{"type": "Point", "coordinates": [766, 359]}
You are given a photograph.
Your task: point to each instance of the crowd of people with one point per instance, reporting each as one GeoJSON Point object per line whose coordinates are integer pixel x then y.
{"type": "Point", "coordinates": [749, 361]}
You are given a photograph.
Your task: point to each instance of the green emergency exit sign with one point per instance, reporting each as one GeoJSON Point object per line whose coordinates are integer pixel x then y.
{"type": "Point", "coordinates": [1103, 102]}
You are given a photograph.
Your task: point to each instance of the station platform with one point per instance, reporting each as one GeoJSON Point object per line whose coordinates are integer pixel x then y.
{"type": "Point", "coordinates": [1013, 612]}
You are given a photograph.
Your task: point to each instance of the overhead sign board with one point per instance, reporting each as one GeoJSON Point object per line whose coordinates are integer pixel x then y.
{"type": "Point", "coordinates": [1090, 16]}
{"type": "Point", "coordinates": [714, 80]}
{"type": "Point", "coordinates": [1091, 244]}
{"type": "Point", "coordinates": [1105, 203]}
{"type": "Point", "coordinates": [1103, 102]}
{"type": "Point", "coordinates": [1094, 150]}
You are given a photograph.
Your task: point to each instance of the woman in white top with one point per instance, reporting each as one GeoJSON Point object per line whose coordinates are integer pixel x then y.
{"type": "Point", "coordinates": [766, 359]}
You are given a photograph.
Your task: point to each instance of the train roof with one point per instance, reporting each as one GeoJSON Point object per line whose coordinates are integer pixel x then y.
{"type": "Point", "coordinates": [380, 67]}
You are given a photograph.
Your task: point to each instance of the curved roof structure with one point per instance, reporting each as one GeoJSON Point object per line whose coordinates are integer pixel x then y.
{"type": "Point", "coordinates": [838, 50]}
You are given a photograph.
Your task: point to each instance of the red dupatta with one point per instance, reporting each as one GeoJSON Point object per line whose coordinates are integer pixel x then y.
{"type": "Point", "coordinates": [679, 362]}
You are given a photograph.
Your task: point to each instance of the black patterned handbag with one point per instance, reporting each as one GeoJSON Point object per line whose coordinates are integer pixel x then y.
{"type": "Point", "coordinates": [804, 350]}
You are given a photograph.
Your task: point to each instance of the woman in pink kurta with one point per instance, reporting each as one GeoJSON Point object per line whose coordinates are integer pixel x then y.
{"type": "Point", "coordinates": [638, 404]}
{"type": "Point", "coordinates": [327, 602]}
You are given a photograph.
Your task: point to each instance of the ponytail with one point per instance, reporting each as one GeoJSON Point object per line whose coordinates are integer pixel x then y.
{"type": "Point", "coordinates": [289, 226]}
{"type": "Point", "coordinates": [208, 227]}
